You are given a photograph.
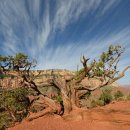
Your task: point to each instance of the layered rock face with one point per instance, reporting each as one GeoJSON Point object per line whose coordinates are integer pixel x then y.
{"type": "Point", "coordinates": [45, 74]}
{"type": "Point", "coordinates": [14, 82]}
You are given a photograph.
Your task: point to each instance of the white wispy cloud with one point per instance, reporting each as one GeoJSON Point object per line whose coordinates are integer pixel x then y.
{"type": "Point", "coordinates": [110, 4]}
{"type": "Point", "coordinates": [46, 28]}
{"type": "Point", "coordinates": [67, 56]}
{"type": "Point", "coordinates": [68, 11]}
{"type": "Point", "coordinates": [15, 15]}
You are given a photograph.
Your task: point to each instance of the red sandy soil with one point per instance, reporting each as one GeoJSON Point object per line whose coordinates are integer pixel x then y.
{"type": "Point", "coordinates": [115, 116]}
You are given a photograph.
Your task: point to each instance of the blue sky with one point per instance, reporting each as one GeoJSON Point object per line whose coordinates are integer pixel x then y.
{"type": "Point", "coordinates": [57, 32]}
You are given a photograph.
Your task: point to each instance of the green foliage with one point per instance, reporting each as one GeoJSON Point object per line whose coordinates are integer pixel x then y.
{"type": "Point", "coordinates": [106, 96]}
{"type": "Point", "coordinates": [13, 101]}
{"type": "Point", "coordinates": [118, 94]}
{"type": "Point", "coordinates": [58, 99]}
{"type": "Point", "coordinates": [78, 73]}
{"type": "Point", "coordinates": [100, 102]}
{"type": "Point", "coordinates": [19, 61]}
{"type": "Point", "coordinates": [112, 51]}
{"type": "Point", "coordinates": [98, 68]}
{"type": "Point", "coordinates": [20, 57]}
{"type": "Point", "coordinates": [104, 57]}
{"type": "Point", "coordinates": [98, 72]}
{"type": "Point", "coordinates": [128, 97]}
{"type": "Point", "coordinates": [4, 120]}
{"type": "Point", "coordinates": [106, 88]}
{"type": "Point", "coordinates": [107, 63]}
{"type": "Point", "coordinates": [4, 58]}
{"type": "Point", "coordinates": [93, 103]}
{"type": "Point", "coordinates": [2, 76]}
{"type": "Point", "coordinates": [4, 62]}
{"type": "Point", "coordinates": [86, 95]}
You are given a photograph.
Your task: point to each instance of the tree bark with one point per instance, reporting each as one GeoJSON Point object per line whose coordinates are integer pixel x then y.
{"type": "Point", "coordinates": [40, 114]}
{"type": "Point", "coordinates": [66, 103]}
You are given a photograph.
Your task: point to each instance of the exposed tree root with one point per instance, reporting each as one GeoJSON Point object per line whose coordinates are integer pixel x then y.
{"type": "Point", "coordinates": [40, 114]}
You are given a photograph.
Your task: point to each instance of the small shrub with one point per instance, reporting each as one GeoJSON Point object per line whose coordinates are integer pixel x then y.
{"type": "Point", "coordinates": [118, 95]}
{"type": "Point", "coordinates": [4, 120]}
{"type": "Point", "coordinates": [106, 88]}
{"type": "Point", "coordinates": [121, 98]}
{"type": "Point", "coordinates": [106, 96]}
{"type": "Point", "coordinates": [13, 101]}
{"type": "Point", "coordinates": [128, 97]}
{"type": "Point", "coordinates": [93, 103]}
{"type": "Point", "coordinates": [100, 102]}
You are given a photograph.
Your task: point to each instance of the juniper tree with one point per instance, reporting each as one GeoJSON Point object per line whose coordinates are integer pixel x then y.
{"type": "Point", "coordinates": [70, 90]}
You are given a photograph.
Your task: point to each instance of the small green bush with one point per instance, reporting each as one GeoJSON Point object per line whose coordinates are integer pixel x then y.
{"type": "Point", "coordinates": [118, 95]}
{"type": "Point", "coordinates": [128, 97]}
{"type": "Point", "coordinates": [4, 120]}
{"type": "Point", "coordinates": [121, 99]}
{"type": "Point", "coordinates": [13, 101]}
{"type": "Point", "coordinates": [93, 103]}
{"type": "Point", "coordinates": [106, 96]}
{"type": "Point", "coordinates": [100, 102]}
